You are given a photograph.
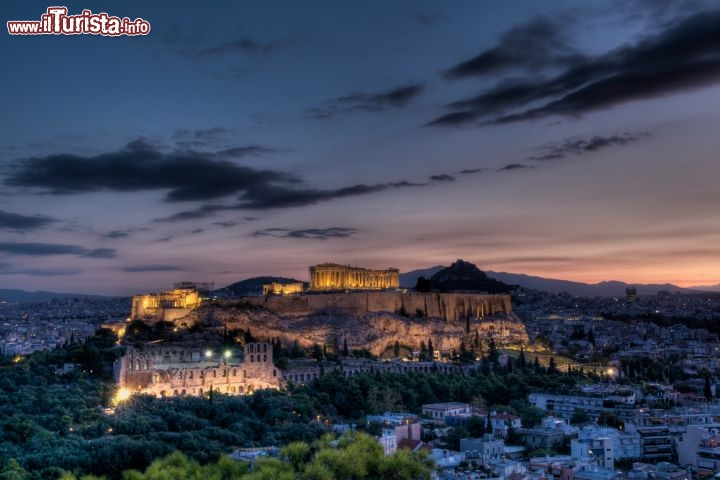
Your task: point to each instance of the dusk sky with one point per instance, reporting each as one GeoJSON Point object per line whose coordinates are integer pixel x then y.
{"type": "Point", "coordinates": [567, 139]}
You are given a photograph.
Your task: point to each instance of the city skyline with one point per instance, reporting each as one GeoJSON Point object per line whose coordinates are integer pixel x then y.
{"type": "Point", "coordinates": [563, 139]}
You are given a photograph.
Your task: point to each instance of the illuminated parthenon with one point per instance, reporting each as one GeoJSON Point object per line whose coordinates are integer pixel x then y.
{"type": "Point", "coordinates": [332, 276]}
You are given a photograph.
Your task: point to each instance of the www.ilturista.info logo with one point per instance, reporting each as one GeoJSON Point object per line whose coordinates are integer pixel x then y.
{"type": "Point", "coordinates": [57, 22]}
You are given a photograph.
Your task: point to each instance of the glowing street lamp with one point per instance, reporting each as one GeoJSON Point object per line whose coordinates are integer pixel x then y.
{"type": "Point", "coordinates": [208, 353]}
{"type": "Point", "coordinates": [227, 354]}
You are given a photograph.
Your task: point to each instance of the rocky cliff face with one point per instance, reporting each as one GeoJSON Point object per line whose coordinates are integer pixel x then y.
{"type": "Point", "coordinates": [374, 321]}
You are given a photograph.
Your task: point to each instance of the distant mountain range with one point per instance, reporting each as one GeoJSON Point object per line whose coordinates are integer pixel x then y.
{"type": "Point", "coordinates": [578, 289]}
{"type": "Point", "coordinates": [409, 279]}
{"type": "Point", "coordinates": [707, 288]}
{"type": "Point", "coordinates": [253, 286]}
{"type": "Point", "coordinates": [22, 296]}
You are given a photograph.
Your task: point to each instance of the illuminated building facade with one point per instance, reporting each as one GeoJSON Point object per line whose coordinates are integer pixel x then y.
{"type": "Point", "coordinates": [167, 306]}
{"type": "Point", "coordinates": [332, 276]}
{"type": "Point", "coordinates": [167, 370]}
{"type": "Point", "coordinates": [276, 288]}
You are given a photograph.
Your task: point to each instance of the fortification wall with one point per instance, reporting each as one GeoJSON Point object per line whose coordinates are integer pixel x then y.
{"type": "Point", "coordinates": [449, 306]}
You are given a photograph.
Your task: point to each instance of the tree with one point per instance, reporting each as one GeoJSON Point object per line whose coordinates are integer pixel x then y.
{"type": "Point", "coordinates": [453, 437]}
{"type": "Point", "coordinates": [707, 390]}
{"type": "Point", "coordinates": [13, 471]}
{"type": "Point", "coordinates": [422, 285]}
{"type": "Point", "coordinates": [609, 420]}
{"type": "Point", "coordinates": [317, 352]}
{"type": "Point", "coordinates": [521, 359]}
{"type": "Point", "coordinates": [552, 366]}
{"type": "Point", "coordinates": [345, 351]}
{"type": "Point", "coordinates": [466, 356]}
{"type": "Point", "coordinates": [530, 415]}
{"type": "Point", "coordinates": [297, 453]}
{"type": "Point", "coordinates": [579, 417]}
{"type": "Point", "coordinates": [431, 351]}
{"type": "Point", "coordinates": [476, 426]}
{"type": "Point", "coordinates": [396, 349]}
{"type": "Point", "coordinates": [493, 353]}
{"type": "Point", "coordinates": [423, 352]}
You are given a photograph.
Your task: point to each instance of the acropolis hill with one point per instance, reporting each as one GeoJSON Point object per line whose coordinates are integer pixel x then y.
{"type": "Point", "coordinates": [373, 320]}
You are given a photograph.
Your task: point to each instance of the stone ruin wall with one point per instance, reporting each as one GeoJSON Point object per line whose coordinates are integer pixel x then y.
{"type": "Point", "coordinates": [448, 306]}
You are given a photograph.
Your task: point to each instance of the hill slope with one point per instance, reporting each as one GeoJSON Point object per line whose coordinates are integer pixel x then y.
{"type": "Point", "coordinates": [254, 285]}
{"type": "Point", "coordinates": [464, 276]}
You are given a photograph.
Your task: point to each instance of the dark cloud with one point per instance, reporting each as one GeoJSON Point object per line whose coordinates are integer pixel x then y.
{"type": "Point", "coordinates": [368, 102]}
{"type": "Point", "coordinates": [202, 137]}
{"type": "Point", "coordinates": [308, 233]}
{"type": "Point", "coordinates": [234, 223]}
{"type": "Point", "coordinates": [152, 268]}
{"type": "Point", "coordinates": [217, 138]}
{"type": "Point", "coordinates": [513, 166]}
{"type": "Point", "coordinates": [117, 234]}
{"type": "Point", "coordinates": [657, 11]}
{"type": "Point", "coordinates": [405, 183]}
{"type": "Point", "coordinates": [41, 249]}
{"type": "Point", "coordinates": [202, 43]}
{"type": "Point", "coordinates": [577, 147]}
{"type": "Point", "coordinates": [46, 249]}
{"type": "Point", "coordinates": [6, 269]}
{"type": "Point", "coordinates": [197, 230]}
{"type": "Point", "coordinates": [684, 56]}
{"type": "Point", "coordinates": [15, 221]}
{"type": "Point", "coordinates": [186, 215]}
{"type": "Point", "coordinates": [536, 44]}
{"type": "Point", "coordinates": [248, 150]}
{"type": "Point", "coordinates": [470, 171]}
{"type": "Point", "coordinates": [245, 46]}
{"type": "Point", "coordinates": [202, 134]}
{"type": "Point", "coordinates": [455, 118]}
{"type": "Point", "coordinates": [187, 175]}
{"type": "Point", "coordinates": [262, 198]}
{"type": "Point", "coordinates": [428, 18]}
{"type": "Point", "coordinates": [101, 253]}
{"type": "Point", "coordinates": [442, 178]}
{"type": "Point", "coordinates": [228, 224]}
{"type": "Point", "coordinates": [279, 197]}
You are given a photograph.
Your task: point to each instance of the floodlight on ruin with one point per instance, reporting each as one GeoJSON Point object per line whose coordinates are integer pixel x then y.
{"type": "Point", "coordinates": [121, 395]}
